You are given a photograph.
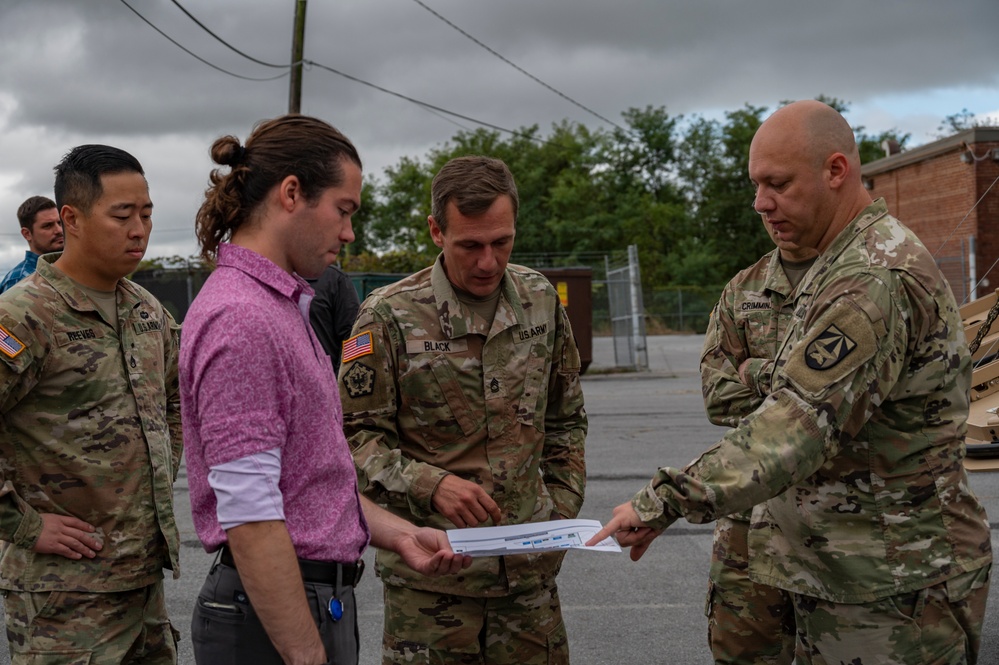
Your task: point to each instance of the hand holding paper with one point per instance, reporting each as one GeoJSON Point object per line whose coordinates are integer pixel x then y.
{"type": "Point", "coordinates": [532, 537]}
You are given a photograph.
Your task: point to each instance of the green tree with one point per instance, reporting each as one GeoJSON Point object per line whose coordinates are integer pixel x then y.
{"type": "Point", "coordinates": [361, 220]}
{"type": "Point", "coordinates": [723, 233]}
{"type": "Point", "coordinates": [676, 187]}
{"type": "Point", "coordinates": [175, 262]}
{"type": "Point", "coordinates": [397, 217]}
{"type": "Point", "coordinates": [956, 122]}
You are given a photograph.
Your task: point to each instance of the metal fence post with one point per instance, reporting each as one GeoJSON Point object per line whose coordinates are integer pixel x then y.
{"type": "Point", "coordinates": [637, 311]}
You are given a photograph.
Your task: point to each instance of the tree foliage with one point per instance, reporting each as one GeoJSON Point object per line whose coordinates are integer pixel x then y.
{"type": "Point", "coordinates": [957, 122]}
{"type": "Point", "coordinates": [675, 186]}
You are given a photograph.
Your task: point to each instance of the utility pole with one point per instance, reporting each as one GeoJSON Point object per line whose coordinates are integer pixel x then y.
{"type": "Point", "coordinates": [297, 53]}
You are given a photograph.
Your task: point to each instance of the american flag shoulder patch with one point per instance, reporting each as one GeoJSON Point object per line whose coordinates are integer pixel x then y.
{"type": "Point", "coordinates": [10, 346]}
{"type": "Point", "coordinates": [357, 346]}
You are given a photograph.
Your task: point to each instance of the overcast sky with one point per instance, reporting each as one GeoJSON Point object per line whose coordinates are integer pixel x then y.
{"type": "Point", "coordinates": [91, 71]}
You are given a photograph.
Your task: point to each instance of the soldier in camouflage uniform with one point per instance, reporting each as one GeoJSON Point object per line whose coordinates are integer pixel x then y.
{"type": "Point", "coordinates": [857, 450]}
{"type": "Point", "coordinates": [91, 437]}
{"type": "Point", "coordinates": [463, 407]}
{"type": "Point", "coordinates": [747, 622]}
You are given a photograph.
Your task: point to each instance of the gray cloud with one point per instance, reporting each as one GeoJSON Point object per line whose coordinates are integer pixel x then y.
{"type": "Point", "coordinates": [74, 72]}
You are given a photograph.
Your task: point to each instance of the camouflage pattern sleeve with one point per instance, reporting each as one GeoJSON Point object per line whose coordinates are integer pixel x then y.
{"type": "Point", "coordinates": [726, 397]}
{"type": "Point", "coordinates": [758, 372]}
{"type": "Point", "coordinates": [745, 329]}
{"type": "Point", "coordinates": [563, 464]}
{"type": "Point", "coordinates": [852, 349]}
{"type": "Point", "coordinates": [20, 524]}
{"type": "Point", "coordinates": [384, 473]}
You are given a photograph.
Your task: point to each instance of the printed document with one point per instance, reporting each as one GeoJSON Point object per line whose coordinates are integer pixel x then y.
{"type": "Point", "coordinates": [533, 537]}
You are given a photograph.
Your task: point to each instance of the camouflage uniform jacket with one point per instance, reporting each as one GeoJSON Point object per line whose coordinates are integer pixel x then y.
{"type": "Point", "coordinates": [858, 449]}
{"type": "Point", "coordinates": [91, 428]}
{"type": "Point", "coordinates": [749, 321]}
{"type": "Point", "coordinates": [441, 394]}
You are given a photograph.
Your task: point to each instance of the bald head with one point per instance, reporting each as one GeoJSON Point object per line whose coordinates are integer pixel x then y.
{"type": "Point", "coordinates": [806, 167]}
{"type": "Point", "coordinates": [814, 127]}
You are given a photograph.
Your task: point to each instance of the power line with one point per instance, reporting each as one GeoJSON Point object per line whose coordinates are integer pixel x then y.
{"type": "Point", "coordinates": [427, 106]}
{"type": "Point", "coordinates": [227, 44]}
{"type": "Point", "coordinates": [519, 68]}
{"type": "Point", "coordinates": [195, 55]}
{"type": "Point", "coordinates": [966, 215]}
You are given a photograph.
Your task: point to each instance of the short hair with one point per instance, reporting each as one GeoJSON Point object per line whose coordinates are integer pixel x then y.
{"type": "Point", "coordinates": [473, 183]}
{"type": "Point", "coordinates": [300, 145]}
{"type": "Point", "coordinates": [28, 210]}
{"type": "Point", "coordinates": [78, 175]}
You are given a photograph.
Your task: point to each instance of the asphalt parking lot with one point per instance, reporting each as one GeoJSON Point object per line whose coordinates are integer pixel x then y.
{"type": "Point", "coordinates": [616, 611]}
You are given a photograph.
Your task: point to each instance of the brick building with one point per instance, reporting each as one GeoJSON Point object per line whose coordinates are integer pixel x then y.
{"type": "Point", "coordinates": [947, 192]}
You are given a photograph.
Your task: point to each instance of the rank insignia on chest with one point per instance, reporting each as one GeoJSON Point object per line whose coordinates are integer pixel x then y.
{"type": "Point", "coordinates": [359, 380]}
{"type": "Point", "coordinates": [830, 347]}
{"type": "Point", "coordinates": [10, 346]}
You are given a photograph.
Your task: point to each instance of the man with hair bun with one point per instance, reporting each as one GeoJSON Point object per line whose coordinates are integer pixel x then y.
{"type": "Point", "coordinates": [273, 486]}
{"type": "Point", "coordinates": [463, 406]}
{"type": "Point", "coordinates": [91, 437]}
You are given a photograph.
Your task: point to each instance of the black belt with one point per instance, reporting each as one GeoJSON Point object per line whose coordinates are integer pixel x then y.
{"type": "Point", "coordinates": [316, 572]}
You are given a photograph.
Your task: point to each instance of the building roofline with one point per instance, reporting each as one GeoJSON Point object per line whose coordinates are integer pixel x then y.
{"type": "Point", "coordinates": [929, 150]}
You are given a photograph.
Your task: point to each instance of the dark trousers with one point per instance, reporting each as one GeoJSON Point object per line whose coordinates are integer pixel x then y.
{"type": "Point", "coordinates": [225, 629]}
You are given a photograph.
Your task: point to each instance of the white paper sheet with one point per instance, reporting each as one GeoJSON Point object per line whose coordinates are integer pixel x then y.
{"type": "Point", "coordinates": [534, 537]}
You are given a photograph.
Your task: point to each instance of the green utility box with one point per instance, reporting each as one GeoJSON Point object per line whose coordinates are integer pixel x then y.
{"type": "Point", "coordinates": [575, 289]}
{"type": "Point", "coordinates": [366, 282]}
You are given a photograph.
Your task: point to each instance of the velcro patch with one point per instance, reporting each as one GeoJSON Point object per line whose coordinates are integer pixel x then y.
{"type": "Point", "coordinates": [830, 347]}
{"type": "Point", "coordinates": [756, 305]}
{"type": "Point", "coordinates": [359, 380]}
{"type": "Point", "coordinates": [845, 340]}
{"type": "Point", "coordinates": [64, 337]}
{"type": "Point", "coordinates": [10, 346]}
{"type": "Point", "coordinates": [358, 346]}
{"type": "Point", "coordinates": [528, 333]}
{"type": "Point", "coordinates": [415, 346]}
{"type": "Point", "coordinates": [150, 325]}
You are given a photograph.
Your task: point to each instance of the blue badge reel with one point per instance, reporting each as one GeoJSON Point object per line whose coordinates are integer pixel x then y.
{"type": "Point", "coordinates": [335, 608]}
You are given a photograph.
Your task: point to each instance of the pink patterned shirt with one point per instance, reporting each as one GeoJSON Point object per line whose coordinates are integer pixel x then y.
{"type": "Point", "coordinates": [253, 378]}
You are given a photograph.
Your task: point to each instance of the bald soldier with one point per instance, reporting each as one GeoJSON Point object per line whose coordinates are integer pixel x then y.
{"type": "Point", "coordinates": [857, 449]}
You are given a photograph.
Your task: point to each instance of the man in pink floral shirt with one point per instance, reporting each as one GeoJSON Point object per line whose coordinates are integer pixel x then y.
{"type": "Point", "coordinates": [272, 481]}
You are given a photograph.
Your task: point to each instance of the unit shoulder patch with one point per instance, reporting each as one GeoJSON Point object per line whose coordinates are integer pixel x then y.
{"type": "Point", "coordinates": [359, 380]}
{"type": "Point", "coordinates": [845, 340]}
{"type": "Point", "coordinates": [828, 348]}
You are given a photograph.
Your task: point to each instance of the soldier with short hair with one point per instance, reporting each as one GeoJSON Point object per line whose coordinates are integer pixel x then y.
{"type": "Point", "coordinates": [463, 407]}
{"type": "Point", "coordinates": [748, 622]}
{"type": "Point", "coordinates": [857, 451]}
{"type": "Point", "coordinates": [91, 439]}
